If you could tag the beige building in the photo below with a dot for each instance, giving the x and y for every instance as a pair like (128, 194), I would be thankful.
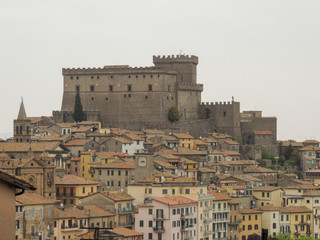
(71, 222)
(268, 195)
(34, 216)
(118, 203)
(9, 186)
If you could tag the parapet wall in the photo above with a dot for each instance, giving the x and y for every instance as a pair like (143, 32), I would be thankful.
(190, 86)
(216, 103)
(176, 59)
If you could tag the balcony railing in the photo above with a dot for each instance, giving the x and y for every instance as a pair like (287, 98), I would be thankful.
(159, 229)
(126, 210)
(186, 215)
(209, 232)
(207, 220)
(221, 219)
(158, 216)
(70, 227)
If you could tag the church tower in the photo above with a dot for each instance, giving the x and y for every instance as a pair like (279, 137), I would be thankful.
(22, 126)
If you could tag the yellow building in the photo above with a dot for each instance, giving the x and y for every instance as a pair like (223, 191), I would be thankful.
(251, 223)
(301, 220)
(268, 195)
(71, 188)
(298, 221)
(91, 159)
(235, 219)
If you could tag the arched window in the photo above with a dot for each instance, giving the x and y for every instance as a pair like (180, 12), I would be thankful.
(28, 130)
(20, 129)
(249, 227)
(17, 130)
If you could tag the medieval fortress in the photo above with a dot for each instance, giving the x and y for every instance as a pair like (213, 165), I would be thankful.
(136, 98)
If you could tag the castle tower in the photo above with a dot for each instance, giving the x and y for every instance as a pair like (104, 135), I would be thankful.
(185, 65)
(22, 126)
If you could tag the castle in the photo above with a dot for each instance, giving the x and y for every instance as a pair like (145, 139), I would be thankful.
(136, 98)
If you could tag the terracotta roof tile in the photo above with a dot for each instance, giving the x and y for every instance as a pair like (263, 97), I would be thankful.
(73, 180)
(262, 132)
(126, 232)
(175, 200)
(33, 199)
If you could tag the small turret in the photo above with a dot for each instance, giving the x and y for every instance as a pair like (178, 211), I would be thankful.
(22, 126)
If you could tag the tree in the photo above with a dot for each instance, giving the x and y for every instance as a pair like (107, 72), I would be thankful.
(78, 114)
(173, 114)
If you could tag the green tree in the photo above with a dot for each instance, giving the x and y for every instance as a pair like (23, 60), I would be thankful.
(78, 114)
(173, 114)
(266, 154)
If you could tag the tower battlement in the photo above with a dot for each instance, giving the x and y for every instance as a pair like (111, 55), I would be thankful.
(216, 103)
(176, 59)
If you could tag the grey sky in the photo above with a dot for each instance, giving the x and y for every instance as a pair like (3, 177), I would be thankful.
(264, 53)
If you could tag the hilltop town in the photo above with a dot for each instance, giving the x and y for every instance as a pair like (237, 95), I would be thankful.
(126, 171)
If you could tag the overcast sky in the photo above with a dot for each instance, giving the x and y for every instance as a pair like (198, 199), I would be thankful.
(264, 53)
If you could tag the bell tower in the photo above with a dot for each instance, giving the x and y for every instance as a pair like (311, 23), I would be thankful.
(22, 126)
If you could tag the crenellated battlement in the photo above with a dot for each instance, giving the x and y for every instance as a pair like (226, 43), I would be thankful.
(116, 69)
(176, 59)
(216, 103)
(190, 86)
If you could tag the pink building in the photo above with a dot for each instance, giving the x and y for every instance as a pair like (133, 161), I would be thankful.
(169, 217)
(75, 167)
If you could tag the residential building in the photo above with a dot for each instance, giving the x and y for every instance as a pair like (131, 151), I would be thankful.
(115, 175)
(118, 203)
(34, 217)
(251, 223)
(235, 220)
(70, 188)
(310, 157)
(71, 222)
(169, 217)
(267, 195)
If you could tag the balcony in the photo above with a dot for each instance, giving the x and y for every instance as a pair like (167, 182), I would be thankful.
(158, 217)
(221, 219)
(209, 232)
(125, 210)
(186, 215)
(221, 230)
(158, 229)
(207, 209)
(72, 227)
(235, 222)
(208, 220)
(187, 227)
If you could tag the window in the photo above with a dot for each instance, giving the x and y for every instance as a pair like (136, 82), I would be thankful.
(119, 184)
(17, 224)
(150, 223)
(111, 172)
(187, 191)
(274, 225)
(129, 87)
(126, 172)
(164, 191)
(150, 87)
(141, 223)
(40, 212)
(173, 191)
(78, 88)
(249, 217)
(174, 211)
(169, 88)
(256, 227)
(224, 114)
(150, 236)
(150, 211)
(99, 171)
(249, 227)
(308, 201)
(110, 88)
(119, 173)
(83, 190)
(92, 88)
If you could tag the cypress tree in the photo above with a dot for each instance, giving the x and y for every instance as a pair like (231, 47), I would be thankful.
(78, 114)
(173, 114)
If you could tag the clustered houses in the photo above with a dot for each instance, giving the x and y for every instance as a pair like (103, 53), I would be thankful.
(150, 184)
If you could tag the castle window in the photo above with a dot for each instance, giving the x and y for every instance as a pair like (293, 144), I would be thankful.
(125, 95)
(150, 87)
(98, 77)
(144, 76)
(129, 76)
(20, 129)
(146, 97)
(71, 77)
(158, 75)
(169, 88)
(77, 88)
(92, 98)
(17, 130)
(111, 76)
(129, 87)
(107, 98)
(92, 88)
(92, 77)
(110, 88)
(167, 97)
(77, 77)
(129, 95)
(172, 98)
(151, 76)
(224, 114)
